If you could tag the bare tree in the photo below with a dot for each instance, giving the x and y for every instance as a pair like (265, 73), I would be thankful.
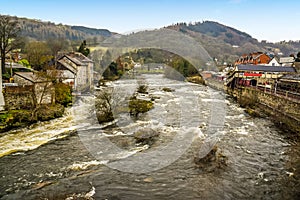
(104, 105)
(9, 33)
(38, 54)
(56, 45)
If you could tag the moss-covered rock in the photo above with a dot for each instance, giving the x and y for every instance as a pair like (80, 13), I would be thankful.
(145, 136)
(142, 89)
(196, 79)
(106, 116)
(137, 106)
(166, 89)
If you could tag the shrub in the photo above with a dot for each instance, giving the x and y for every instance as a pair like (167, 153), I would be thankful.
(63, 94)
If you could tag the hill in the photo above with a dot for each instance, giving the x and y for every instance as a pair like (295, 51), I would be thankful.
(222, 42)
(40, 30)
(227, 44)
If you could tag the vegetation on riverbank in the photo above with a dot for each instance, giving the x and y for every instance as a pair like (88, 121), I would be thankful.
(26, 115)
(149, 60)
(20, 118)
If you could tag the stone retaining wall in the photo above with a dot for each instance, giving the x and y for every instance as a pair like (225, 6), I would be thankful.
(281, 109)
(18, 97)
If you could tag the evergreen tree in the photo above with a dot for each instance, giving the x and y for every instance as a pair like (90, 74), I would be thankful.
(83, 49)
(298, 57)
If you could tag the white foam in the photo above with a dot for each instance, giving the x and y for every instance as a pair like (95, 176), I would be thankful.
(85, 165)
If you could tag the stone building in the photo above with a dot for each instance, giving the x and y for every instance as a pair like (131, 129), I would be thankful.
(77, 70)
(42, 89)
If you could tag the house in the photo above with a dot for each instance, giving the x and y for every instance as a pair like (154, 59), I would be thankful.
(77, 70)
(286, 61)
(16, 67)
(43, 89)
(273, 62)
(256, 58)
(257, 75)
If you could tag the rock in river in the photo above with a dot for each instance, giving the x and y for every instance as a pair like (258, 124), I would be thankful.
(145, 136)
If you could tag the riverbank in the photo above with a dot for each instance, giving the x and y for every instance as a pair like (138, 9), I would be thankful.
(284, 112)
(13, 119)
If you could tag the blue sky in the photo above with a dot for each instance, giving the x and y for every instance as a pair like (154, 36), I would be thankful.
(264, 20)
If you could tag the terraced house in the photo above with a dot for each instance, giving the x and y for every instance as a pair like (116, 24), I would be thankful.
(256, 58)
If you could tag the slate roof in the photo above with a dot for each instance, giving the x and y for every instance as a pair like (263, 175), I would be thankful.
(263, 68)
(30, 76)
(294, 77)
(69, 67)
(16, 66)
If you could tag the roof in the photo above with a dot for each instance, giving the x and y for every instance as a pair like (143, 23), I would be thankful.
(80, 57)
(16, 66)
(76, 57)
(69, 67)
(263, 68)
(286, 60)
(74, 60)
(293, 77)
(30, 76)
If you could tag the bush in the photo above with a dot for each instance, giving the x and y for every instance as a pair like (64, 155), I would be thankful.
(63, 94)
(47, 112)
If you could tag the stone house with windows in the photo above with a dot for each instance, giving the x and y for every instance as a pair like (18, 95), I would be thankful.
(77, 70)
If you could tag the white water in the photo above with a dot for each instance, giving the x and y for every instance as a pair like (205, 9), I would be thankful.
(262, 164)
(36, 135)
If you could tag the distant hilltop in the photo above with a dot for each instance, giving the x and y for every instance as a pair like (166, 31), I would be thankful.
(41, 30)
(227, 44)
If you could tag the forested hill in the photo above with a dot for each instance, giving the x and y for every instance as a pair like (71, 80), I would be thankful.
(227, 43)
(41, 30)
(220, 41)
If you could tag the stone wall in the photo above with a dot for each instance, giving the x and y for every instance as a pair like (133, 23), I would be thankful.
(214, 83)
(18, 97)
(282, 110)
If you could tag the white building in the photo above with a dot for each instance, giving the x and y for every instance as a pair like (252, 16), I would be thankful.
(286, 61)
(273, 62)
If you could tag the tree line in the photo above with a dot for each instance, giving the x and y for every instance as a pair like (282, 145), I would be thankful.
(37, 55)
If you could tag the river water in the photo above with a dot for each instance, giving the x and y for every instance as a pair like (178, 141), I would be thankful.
(75, 158)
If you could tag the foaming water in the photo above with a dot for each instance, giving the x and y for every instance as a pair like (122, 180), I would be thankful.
(261, 162)
(36, 135)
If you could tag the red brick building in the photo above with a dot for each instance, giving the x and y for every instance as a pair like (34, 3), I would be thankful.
(256, 58)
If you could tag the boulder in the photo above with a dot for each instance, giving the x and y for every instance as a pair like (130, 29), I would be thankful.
(145, 136)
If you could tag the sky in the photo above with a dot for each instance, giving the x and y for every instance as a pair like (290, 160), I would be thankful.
(271, 20)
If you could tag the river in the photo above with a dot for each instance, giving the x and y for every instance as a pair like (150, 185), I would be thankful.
(72, 157)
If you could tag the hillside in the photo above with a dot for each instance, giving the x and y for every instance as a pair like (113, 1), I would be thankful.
(226, 43)
(40, 30)
(220, 41)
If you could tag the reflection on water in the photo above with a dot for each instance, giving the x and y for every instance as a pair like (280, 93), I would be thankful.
(261, 162)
